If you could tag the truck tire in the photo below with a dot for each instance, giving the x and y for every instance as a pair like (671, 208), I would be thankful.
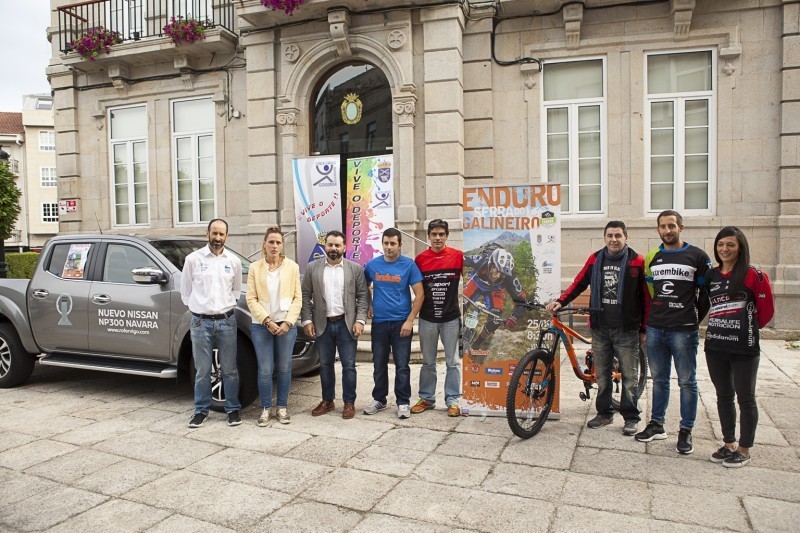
(248, 376)
(16, 365)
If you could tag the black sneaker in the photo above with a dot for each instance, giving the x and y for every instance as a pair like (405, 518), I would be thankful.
(721, 454)
(684, 442)
(197, 420)
(736, 460)
(653, 431)
(600, 421)
(233, 418)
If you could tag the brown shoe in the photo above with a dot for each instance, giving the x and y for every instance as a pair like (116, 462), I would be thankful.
(323, 407)
(349, 411)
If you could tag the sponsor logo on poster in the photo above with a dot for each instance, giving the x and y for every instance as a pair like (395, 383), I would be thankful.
(492, 384)
(493, 371)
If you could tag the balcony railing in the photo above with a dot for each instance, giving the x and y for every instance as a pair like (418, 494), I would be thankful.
(137, 19)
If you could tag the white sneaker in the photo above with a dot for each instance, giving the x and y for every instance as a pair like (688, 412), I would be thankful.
(403, 411)
(374, 407)
(263, 420)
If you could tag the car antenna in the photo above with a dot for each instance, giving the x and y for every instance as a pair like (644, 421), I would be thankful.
(100, 229)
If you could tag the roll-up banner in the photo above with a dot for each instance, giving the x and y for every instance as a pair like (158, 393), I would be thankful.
(317, 205)
(370, 205)
(512, 254)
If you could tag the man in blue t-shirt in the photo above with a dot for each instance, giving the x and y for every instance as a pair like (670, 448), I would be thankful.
(393, 314)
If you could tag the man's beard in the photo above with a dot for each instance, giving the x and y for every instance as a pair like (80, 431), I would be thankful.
(333, 255)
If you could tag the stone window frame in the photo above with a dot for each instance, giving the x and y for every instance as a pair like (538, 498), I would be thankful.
(49, 212)
(197, 219)
(47, 141)
(48, 177)
(573, 105)
(680, 98)
(129, 143)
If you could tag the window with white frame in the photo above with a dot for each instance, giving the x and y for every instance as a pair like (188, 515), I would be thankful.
(50, 212)
(573, 126)
(129, 169)
(47, 141)
(680, 139)
(193, 160)
(48, 176)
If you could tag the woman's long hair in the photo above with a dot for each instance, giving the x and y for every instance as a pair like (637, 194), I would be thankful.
(739, 271)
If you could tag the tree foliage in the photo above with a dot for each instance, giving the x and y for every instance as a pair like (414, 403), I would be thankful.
(9, 202)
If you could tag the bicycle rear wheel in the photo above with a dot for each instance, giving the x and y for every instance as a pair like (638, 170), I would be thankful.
(641, 382)
(530, 393)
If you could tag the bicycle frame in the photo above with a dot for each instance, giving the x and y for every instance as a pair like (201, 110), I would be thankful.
(560, 332)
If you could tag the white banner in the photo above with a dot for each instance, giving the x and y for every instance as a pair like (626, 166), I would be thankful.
(317, 204)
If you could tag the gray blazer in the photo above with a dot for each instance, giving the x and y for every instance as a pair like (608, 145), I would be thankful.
(356, 295)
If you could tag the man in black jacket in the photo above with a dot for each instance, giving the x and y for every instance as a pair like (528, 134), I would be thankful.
(618, 300)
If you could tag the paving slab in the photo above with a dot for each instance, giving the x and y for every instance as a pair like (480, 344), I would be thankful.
(249, 436)
(452, 470)
(74, 465)
(772, 515)
(526, 481)
(12, 439)
(309, 516)
(399, 462)
(361, 428)
(472, 445)
(364, 489)
(215, 500)
(116, 515)
(33, 453)
(275, 473)
(492, 512)
(424, 501)
(393, 524)
(422, 439)
(572, 518)
(152, 447)
(622, 496)
(693, 506)
(121, 477)
(328, 451)
(56, 505)
(179, 523)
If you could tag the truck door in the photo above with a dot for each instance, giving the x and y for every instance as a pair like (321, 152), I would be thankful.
(58, 295)
(127, 318)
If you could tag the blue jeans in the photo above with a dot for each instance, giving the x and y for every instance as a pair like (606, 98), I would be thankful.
(624, 344)
(206, 335)
(273, 352)
(386, 335)
(662, 348)
(337, 336)
(429, 333)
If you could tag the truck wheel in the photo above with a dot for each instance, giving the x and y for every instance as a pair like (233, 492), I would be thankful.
(16, 365)
(248, 376)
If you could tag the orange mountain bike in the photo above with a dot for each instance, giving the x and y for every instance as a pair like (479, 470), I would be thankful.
(533, 383)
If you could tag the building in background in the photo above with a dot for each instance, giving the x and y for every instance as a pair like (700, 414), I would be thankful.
(40, 196)
(12, 142)
(633, 107)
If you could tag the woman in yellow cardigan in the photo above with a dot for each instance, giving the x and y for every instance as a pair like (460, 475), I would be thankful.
(274, 299)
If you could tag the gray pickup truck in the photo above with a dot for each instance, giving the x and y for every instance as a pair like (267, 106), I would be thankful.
(112, 303)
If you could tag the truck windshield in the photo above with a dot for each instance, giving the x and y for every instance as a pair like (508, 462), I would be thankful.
(176, 251)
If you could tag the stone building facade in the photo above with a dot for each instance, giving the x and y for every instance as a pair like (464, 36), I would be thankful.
(632, 106)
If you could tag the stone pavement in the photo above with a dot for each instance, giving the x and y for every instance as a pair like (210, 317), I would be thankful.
(86, 451)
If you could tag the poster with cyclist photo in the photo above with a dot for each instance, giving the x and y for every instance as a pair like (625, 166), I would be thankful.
(512, 257)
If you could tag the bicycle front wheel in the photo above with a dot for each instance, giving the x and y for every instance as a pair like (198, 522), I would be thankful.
(530, 393)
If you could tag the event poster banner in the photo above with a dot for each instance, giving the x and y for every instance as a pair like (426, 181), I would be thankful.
(370, 206)
(317, 205)
(512, 254)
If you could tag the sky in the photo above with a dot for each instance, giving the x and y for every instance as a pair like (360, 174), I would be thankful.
(24, 50)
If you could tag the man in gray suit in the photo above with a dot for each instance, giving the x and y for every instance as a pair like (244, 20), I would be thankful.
(335, 304)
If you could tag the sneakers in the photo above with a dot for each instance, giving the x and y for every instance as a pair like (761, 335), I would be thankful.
(684, 446)
(266, 414)
(283, 415)
(233, 418)
(600, 421)
(197, 420)
(403, 411)
(721, 454)
(374, 407)
(736, 460)
(453, 410)
(653, 431)
(421, 406)
(631, 427)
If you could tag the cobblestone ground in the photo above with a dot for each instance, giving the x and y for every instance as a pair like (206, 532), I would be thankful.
(86, 451)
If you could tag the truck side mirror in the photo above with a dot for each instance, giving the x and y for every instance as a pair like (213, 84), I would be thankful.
(149, 276)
